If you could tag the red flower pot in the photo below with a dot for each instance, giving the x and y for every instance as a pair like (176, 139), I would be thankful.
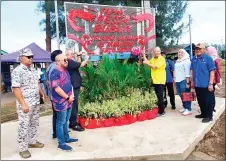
(131, 118)
(92, 124)
(83, 122)
(142, 116)
(151, 114)
(108, 122)
(122, 120)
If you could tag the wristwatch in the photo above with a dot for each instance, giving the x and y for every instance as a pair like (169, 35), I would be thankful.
(210, 84)
(68, 98)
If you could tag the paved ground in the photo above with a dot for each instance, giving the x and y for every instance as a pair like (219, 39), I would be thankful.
(170, 137)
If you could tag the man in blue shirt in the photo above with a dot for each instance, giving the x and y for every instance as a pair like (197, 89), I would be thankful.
(202, 70)
(169, 82)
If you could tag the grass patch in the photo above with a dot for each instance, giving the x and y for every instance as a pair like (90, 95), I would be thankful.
(8, 108)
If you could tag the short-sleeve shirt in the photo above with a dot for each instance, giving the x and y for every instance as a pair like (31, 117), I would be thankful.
(201, 67)
(182, 70)
(73, 69)
(27, 79)
(158, 75)
(60, 78)
(169, 69)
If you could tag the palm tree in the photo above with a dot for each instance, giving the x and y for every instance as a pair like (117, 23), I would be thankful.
(48, 27)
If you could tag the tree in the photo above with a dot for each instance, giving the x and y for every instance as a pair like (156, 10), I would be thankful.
(168, 18)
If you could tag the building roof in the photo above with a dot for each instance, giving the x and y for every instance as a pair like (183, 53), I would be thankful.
(175, 49)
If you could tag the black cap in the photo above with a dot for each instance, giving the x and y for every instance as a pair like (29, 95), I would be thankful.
(55, 53)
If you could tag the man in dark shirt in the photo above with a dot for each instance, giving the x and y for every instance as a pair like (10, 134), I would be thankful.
(169, 82)
(76, 80)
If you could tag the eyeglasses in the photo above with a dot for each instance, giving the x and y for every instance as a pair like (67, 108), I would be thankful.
(198, 49)
(65, 60)
(29, 57)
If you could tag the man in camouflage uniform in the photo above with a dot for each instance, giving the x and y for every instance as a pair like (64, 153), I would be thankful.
(26, 88)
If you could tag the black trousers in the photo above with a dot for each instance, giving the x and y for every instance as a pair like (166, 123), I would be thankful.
(205, 101)
(171, 94)
(74, 112)
(54, 120)
(159, 93)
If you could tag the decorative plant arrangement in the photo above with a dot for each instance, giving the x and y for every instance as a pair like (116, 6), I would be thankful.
(116, 93)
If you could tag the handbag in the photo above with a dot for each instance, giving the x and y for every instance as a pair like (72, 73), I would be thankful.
(188, 96)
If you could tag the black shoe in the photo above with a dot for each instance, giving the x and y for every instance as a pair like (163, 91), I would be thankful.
(199, 116)
(214, 110)
(206, 120)
(77, 128)
(173, 107)
(54, 136)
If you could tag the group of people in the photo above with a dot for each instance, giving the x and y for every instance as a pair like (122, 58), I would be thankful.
(64, 81)
(202, 73)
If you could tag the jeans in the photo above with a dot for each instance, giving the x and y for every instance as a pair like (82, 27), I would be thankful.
(159, 94)
(214, 99)
(171, 94)
(74, 112)
(62, 126)
(205, 101)
(54, 120)
(181, 87)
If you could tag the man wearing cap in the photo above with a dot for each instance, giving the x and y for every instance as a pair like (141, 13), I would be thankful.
(26, 88)
(202, 71)
(49, 70)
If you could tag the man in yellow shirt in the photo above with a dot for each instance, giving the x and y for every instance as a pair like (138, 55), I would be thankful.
(158, 75)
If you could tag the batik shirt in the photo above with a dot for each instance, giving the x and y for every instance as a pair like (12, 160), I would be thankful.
(27, 79)
(60, 78)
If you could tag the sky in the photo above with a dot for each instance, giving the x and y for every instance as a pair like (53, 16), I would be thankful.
(20, 24)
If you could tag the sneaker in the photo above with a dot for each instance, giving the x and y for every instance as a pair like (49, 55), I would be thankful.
(186, 112)
(199, 116)
(182, 110)
(64, 147)
(36, 145)
(71, 140)
(161, 115)
(25, 154)
(206, 120)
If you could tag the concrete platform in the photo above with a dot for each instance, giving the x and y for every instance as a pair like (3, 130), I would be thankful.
(171, 137)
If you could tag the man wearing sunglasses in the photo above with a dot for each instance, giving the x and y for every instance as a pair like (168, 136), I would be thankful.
(202, 71)
(27, 90)
(62, 98)
(76, 80)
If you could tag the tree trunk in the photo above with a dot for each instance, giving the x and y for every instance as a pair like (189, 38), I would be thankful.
(48, 28)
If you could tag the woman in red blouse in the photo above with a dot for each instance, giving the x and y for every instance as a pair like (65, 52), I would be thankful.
(211, 51)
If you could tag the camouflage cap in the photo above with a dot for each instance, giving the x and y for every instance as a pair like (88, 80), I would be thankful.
(26, 52)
